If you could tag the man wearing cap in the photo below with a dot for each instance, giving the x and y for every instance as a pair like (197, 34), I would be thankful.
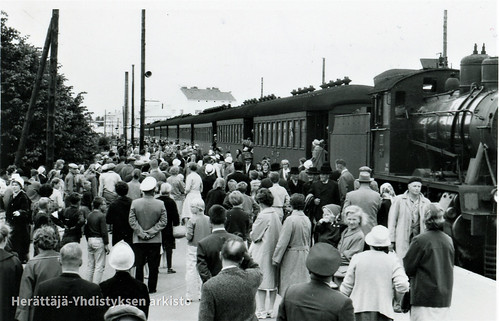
(316, 300)
(124, 312)
(147, 219)
(365, 198)
(406, 216)
(122, 285)
(325, 191)
(70, 179)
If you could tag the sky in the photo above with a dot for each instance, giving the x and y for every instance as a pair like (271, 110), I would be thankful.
(231, 45)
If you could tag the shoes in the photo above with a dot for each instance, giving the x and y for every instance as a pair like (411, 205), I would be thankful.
(171, 271)
(152, 291)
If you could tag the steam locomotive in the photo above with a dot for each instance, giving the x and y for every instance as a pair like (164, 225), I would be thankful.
(437, 123)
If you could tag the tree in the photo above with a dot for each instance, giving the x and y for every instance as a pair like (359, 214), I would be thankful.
(74, 139)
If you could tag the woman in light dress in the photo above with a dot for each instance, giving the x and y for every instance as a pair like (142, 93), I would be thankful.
(193, 189)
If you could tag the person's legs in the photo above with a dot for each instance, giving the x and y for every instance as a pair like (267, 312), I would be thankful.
(261, 295)
(169, 253)
(153, 258)
(192, 278)
(100, 260)
(91, 258)
(139, 262)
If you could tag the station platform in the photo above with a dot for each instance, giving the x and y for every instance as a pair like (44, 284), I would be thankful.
(474, 296)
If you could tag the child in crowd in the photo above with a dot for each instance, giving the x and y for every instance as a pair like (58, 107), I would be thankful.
(329, 227)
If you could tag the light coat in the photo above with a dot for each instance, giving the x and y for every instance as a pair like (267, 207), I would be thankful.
(370, 280)
(369, 201)
(147, 215)
(265, 234)
(400, 221)
(351, 242)
(292, 250)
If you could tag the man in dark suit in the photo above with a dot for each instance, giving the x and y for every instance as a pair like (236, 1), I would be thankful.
(294, 183)
(83, 298)
(238, 221)
(231, 294)
(122, 284)
(325, 192)
(248, 163)
(238, 175)
(316, 300)
(208, 252)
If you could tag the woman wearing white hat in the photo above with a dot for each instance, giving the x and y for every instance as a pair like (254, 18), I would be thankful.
(371, 277)
(18, 216)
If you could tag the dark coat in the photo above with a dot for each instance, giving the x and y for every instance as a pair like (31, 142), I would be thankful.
(117, 215)
(73, 221)
(429, 263)
(69, 285)
(20, 237)
(214, 197)
(11, 271)
(238, 222)
(230, 295)
(298, 188)
(240, 177)
(123, 286)
(208, 254)
(328, 194)
(208, 181)
(329, 232)
(172, 220)
(315, 300)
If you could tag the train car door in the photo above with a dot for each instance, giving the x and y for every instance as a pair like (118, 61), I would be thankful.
(349, 139)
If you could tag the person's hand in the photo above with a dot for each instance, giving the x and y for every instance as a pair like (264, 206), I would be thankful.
(391, 247)
(16, 213)
(106, 248)
(317, 201)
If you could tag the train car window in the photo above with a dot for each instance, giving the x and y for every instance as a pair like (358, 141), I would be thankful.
(303, 133)
(279, 134)
(257, 134)
(429, 84)
(274, 133)
(285, 134)
(399, 98)
(296, 131)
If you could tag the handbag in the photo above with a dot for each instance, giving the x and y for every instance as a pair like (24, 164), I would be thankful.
(179, 231)
(405, 306)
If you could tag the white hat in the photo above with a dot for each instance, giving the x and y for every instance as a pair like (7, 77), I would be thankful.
(228, 160)
(17, 178)
(73, 166)
(41, 170)
(379, 236)
(316, 142)
(308, 164)
(176, 162)
(209, 169)
(148, 184)
(121, 257)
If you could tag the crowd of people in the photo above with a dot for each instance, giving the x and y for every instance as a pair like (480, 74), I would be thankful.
(332, 246)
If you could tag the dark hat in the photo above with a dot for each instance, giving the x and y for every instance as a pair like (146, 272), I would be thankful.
(365, 177)
(274, 167)
(326, 169)
(119, 311)
(323, 259)
(312, 171)
(294, 171)
(415, 179)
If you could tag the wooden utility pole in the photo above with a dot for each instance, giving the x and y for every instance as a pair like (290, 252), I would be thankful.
(142, 81)
(31, 108)
(54, 44)
(132, 125)
(125, 111)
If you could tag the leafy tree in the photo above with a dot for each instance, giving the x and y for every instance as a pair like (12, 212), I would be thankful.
(74, 139)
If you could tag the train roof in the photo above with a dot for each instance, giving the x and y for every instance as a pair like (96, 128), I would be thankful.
(388, 79)
(319, 100)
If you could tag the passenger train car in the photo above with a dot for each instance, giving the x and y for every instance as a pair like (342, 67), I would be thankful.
(437, 123)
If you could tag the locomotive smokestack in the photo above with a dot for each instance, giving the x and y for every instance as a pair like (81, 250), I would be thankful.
(323, 70)
(444, 53)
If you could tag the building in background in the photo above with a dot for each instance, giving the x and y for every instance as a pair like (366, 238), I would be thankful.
(191, 100)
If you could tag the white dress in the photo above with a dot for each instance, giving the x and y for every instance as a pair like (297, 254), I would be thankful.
(193, 188)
